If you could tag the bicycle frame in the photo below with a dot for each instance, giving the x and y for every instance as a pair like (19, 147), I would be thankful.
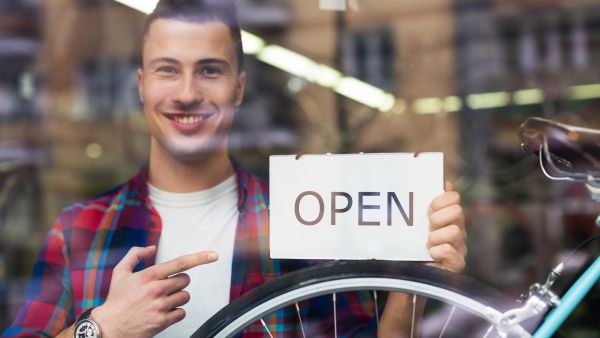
(570, 300)
(591, 275)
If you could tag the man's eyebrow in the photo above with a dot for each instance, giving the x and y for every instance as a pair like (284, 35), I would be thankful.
(163, 60)
(212, 62)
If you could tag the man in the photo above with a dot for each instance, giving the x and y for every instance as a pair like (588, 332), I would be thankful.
(103, 259)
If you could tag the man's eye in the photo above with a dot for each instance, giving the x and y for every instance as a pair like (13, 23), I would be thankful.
(211, 71)
(166, 70)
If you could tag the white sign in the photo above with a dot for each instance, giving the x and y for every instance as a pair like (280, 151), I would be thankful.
(361, 206)
(332, 5)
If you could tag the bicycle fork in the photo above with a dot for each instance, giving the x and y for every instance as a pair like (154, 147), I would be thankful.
(540, 298)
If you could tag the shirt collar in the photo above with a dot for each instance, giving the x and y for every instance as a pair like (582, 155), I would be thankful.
(138, 185)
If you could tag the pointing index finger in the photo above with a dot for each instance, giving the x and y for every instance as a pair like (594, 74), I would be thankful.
(182, 263)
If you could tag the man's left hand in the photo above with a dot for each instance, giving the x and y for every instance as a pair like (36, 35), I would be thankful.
(447, 236)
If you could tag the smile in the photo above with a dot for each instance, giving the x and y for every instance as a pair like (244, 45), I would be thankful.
(188, 119)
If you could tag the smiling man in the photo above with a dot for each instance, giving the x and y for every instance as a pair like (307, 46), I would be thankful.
(163, 252)
(190, 84)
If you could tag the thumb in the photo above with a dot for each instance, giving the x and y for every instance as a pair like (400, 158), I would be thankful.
(135, 255)
(448, 186)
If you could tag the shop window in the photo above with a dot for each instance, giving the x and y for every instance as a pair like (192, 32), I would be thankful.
(108, 88)
(10, 6)
(369, 55)
(549, 44)
(85, 3)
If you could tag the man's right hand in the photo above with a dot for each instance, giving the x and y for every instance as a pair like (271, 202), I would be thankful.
(144, 303)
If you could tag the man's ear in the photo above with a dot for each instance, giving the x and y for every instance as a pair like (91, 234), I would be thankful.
(241, 88)
(140, 77)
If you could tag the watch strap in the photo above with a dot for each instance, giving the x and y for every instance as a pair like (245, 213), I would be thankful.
(86, 314)
(86, 327)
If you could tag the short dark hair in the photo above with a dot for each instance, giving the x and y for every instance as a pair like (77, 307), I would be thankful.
(200, 11)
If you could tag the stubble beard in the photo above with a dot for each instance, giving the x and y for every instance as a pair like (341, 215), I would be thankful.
(195, 151)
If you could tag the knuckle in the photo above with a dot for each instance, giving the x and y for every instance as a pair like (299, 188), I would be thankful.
(148, 276)
(455, 231)
(434, 220)
(454, 197)
(115, 275)
(445, 253)
(161, 304)
(435, 253)
(179, 299)
(435, 204)
(178, 314)
(154, 291)
(181, 263)
(429, 242)
(133, 251)
(434, 238)
(457, 209)
(161, 322)
(446, 250)
(154, 305)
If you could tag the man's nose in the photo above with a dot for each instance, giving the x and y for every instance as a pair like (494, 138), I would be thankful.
(189, 91)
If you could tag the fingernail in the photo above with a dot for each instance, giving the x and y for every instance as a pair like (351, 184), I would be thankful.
(212, 256)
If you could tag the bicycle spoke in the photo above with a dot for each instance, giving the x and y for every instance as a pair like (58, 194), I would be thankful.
(376, 308)
(300, 319)
(414, 311)
(487, 333)
(447, 321)
(334, 315)
(266, 328)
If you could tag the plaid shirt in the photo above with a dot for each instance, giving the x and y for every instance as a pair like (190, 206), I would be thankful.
(75, 264)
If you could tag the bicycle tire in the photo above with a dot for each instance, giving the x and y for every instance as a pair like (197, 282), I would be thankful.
(456, 289)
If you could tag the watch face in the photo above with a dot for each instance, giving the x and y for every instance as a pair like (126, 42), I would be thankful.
(87, 329)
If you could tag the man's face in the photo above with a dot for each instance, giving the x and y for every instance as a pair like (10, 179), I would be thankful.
(190, 87)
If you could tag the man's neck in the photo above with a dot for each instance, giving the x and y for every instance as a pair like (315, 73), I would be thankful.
(171, 175)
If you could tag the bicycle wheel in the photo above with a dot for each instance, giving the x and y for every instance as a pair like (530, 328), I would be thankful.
(455, 289)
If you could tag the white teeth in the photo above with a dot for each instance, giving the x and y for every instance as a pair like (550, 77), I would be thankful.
(188, 119)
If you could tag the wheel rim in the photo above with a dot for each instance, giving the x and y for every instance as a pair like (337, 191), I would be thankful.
(455, 289)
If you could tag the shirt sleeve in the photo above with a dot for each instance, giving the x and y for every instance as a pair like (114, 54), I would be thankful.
(48, 307)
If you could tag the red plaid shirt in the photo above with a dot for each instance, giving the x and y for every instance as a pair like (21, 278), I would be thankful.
(75, 264)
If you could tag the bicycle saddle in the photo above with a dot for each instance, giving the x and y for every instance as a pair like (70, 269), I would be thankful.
(572, 149)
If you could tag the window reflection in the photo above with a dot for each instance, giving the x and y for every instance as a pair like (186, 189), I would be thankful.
(463, 75)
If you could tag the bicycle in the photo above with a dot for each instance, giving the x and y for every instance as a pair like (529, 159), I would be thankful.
(571, 153)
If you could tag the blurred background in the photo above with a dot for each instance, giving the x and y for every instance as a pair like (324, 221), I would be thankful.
(456, 76)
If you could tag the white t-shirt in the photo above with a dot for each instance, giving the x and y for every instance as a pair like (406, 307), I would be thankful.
(192, 222)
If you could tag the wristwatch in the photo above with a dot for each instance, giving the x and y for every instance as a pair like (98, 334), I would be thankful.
(86, 327)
